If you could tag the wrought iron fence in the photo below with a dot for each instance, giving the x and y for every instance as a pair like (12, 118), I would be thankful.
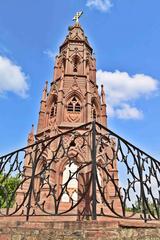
(87, 172)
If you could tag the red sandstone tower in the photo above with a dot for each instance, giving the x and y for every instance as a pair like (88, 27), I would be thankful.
(71, 101)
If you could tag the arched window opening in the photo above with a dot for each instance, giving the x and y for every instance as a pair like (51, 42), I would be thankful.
(77, 107)
(93, 112)
(43, 174)
(70, 183)
(70, 107)
(74, 105)
(53, 110)
(75, 63)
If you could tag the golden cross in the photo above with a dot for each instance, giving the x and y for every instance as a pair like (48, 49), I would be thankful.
(77, 16)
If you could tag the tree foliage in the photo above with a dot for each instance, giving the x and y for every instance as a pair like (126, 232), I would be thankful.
(8, 187)
(149, 208)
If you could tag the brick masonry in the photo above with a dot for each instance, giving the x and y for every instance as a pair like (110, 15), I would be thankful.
(89, 230)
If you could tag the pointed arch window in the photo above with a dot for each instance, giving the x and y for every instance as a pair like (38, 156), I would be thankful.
(75, 63)
(70, 184)
(77, 107)
(53, 110)
(93, 112)
(70, 107)
(74, 105)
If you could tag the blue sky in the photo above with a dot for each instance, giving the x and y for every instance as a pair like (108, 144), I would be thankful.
(125, 35)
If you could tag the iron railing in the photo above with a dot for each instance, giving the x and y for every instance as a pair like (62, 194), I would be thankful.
(87, 172)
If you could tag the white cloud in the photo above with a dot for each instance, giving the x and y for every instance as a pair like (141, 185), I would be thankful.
(125, 111)
(12, 78)
(50, 54)
(102, 5)
(122, 89)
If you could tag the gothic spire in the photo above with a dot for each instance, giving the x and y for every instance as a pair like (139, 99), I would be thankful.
(103, 95)
(45, 90)
(31, 136)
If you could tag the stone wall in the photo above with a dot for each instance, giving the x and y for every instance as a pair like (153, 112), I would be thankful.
(89, 230)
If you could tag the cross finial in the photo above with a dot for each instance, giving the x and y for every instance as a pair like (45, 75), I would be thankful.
(77, 16)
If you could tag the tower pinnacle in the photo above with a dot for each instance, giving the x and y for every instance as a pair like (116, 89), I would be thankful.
(77, 16)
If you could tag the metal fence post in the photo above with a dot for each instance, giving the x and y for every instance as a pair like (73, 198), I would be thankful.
(94, 172)
(31, 187)
(142, 192)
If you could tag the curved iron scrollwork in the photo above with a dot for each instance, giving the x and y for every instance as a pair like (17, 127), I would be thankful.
(87, 172)
(131, 178)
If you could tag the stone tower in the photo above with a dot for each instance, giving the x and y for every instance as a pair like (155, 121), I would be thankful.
(72, 101)
(73, 97)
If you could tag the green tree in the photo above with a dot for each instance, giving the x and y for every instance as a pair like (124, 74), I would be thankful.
(150, 208)
(8, 186)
